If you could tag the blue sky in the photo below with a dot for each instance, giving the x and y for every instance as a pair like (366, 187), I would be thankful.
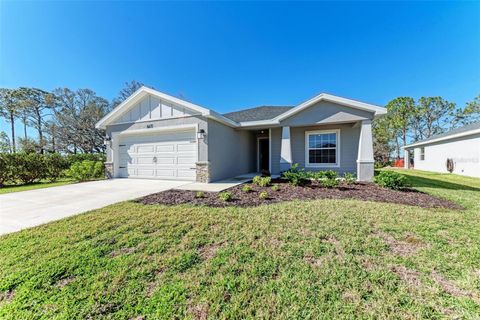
(228, 56)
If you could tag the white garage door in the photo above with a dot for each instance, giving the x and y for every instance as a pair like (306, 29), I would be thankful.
(166, 155)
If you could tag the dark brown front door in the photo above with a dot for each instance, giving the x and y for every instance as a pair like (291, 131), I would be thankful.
(263, 156)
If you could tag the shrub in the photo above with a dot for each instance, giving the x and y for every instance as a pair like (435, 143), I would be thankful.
(275, 187)
(349, 178)
(391, 180)
(246, 188)
(28, 167)
(329, 183)
(55, 166)
(79, 157)
(225, 196)
(295, 176)
(6, 172)
(262, 181)
(200, 194)
(263, 195)
(86, 170)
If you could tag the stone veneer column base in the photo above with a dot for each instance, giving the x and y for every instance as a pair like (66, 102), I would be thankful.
(365, 170)
(203, 171)
(109, 170)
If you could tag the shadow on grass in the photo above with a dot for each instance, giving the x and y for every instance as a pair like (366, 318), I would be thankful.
(419, 182)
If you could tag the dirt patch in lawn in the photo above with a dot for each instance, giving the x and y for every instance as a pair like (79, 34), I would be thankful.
(405, 248)
(65, 281)
(207, 252)
(287, 192)
(451, 288)
(7, 296)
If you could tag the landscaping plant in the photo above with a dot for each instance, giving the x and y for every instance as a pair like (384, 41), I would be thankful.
(86, 170)
(200, 194)
(262, 181)
(246, 188)
(391, 180)
(349, 178)
(295, 176)
(28, 167)
(225, 196)
(275, 187)
(329, 183)
(55, 166)
(263, 195)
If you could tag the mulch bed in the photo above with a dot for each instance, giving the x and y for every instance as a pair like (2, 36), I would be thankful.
(287, 192)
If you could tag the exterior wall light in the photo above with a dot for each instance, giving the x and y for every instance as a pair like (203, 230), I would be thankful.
(107, 141)
(201, 134)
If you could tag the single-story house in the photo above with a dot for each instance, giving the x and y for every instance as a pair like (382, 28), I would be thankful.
(461, 145)
(155, 135)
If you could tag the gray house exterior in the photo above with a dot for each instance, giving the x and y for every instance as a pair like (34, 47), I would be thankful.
(156, 136)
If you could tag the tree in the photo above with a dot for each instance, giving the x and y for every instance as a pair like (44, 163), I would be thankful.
(38, 105)
(471, 112)
(76, 113)
(9, 109)
(128, 89)
(28, 145)
(435, 115)
(400, 111)
(382, 139)
(4, 142)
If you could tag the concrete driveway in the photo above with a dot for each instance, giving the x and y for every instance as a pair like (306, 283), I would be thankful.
(26, 209)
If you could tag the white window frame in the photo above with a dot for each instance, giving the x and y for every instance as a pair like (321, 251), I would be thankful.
(337, 149)
(422, 153)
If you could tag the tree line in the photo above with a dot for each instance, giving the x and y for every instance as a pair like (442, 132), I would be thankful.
(64, 119)
(409, 120)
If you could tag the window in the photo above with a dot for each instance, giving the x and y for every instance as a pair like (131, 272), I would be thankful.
(321, 148)
(422, 153)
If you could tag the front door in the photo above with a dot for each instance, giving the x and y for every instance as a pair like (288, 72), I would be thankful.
(263, 155)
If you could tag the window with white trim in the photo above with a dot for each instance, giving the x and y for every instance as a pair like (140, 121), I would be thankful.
(422, 153)
(321, 148)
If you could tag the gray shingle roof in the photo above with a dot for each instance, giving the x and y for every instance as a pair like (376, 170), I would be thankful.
(468, 127)
(257, 113)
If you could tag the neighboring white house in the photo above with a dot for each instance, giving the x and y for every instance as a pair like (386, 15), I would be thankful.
(462, 145)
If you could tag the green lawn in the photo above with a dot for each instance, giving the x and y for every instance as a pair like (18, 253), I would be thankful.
(33, 186)
(296, 260)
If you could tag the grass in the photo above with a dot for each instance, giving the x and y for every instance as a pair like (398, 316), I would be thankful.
(37, 185)
(295, 260)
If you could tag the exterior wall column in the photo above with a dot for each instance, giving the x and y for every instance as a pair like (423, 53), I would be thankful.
(406, 159)
(365, 161)
(285, 150)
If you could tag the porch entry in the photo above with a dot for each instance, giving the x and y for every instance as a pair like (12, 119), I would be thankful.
(263, 159)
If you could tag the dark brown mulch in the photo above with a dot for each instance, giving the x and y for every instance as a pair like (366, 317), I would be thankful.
(287, 192)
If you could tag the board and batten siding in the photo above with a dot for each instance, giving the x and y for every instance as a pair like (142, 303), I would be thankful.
(349, 138)
(465, 152)
(153, 108)
(231, 152)
(326, 112)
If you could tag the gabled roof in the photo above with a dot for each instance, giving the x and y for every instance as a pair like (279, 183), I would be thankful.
(259, 116)
(257, 113)
(467, 130)
(144, 91)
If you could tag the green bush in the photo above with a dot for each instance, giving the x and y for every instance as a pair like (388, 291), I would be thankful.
(391, 180)
(262, 181)
(28, 167)
(295, 176)
(79, 157)
(200, 194)
(86, 170)
(6, 172)
(349, 178)
(55, 166)
(225, 196)
(275, 187)
(329, 183)
(263, 195)
(246, 188)
(324, 174)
